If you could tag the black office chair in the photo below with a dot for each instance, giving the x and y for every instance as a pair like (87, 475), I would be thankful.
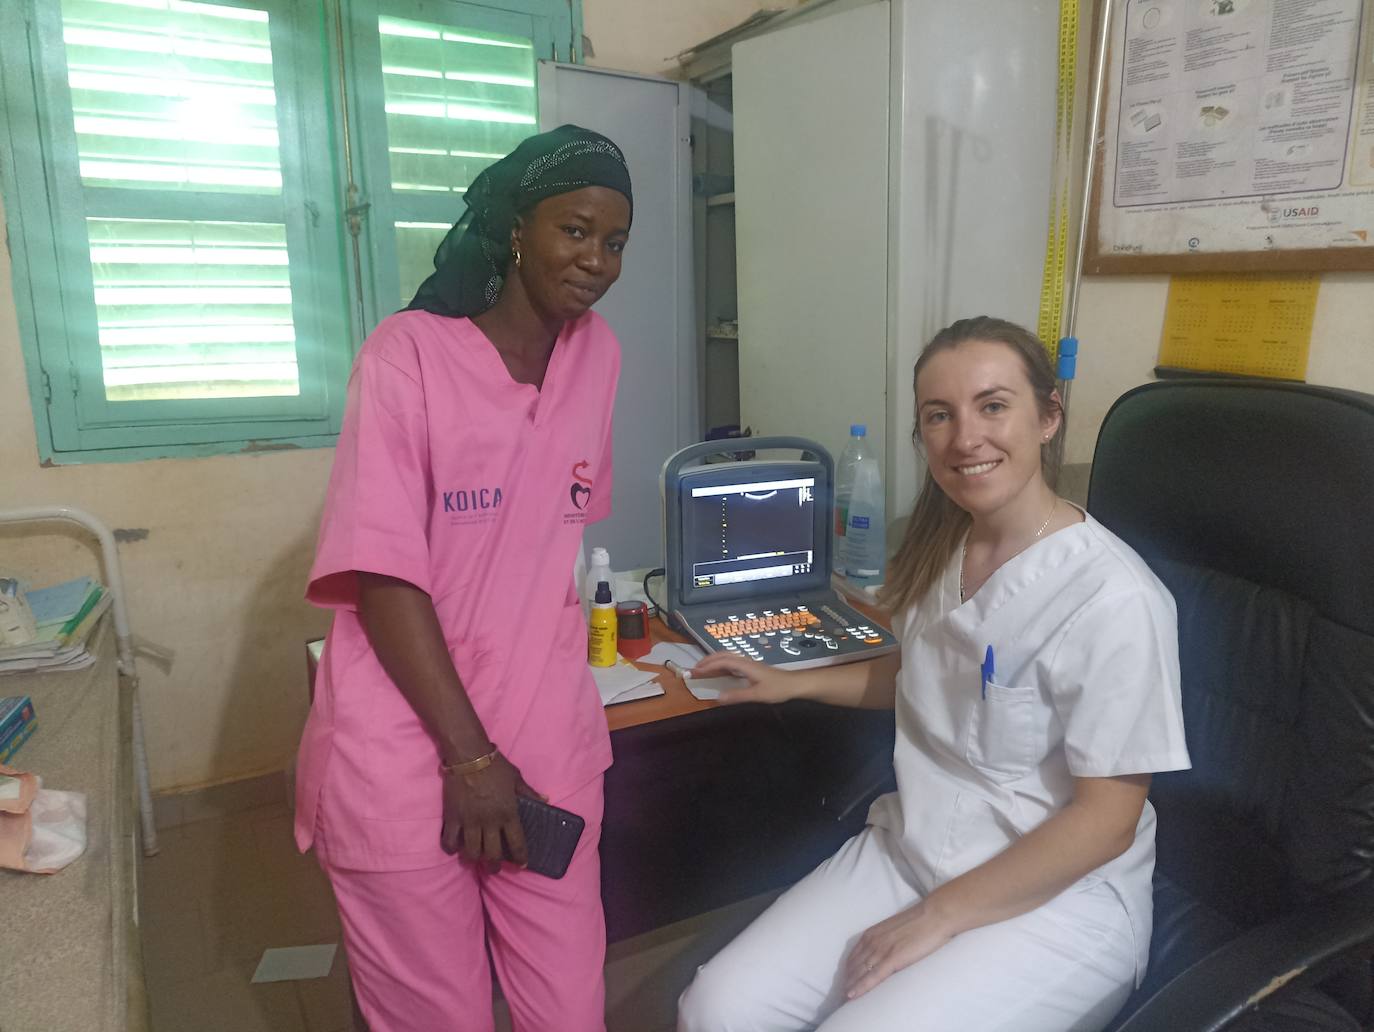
(1254, 503)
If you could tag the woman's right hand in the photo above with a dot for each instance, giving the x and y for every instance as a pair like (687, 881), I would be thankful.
(764, 683)
(479, 810)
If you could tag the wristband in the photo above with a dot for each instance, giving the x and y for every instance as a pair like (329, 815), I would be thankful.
(470, 766)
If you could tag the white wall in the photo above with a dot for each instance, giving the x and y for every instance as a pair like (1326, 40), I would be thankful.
(219, 574)
(646, 35)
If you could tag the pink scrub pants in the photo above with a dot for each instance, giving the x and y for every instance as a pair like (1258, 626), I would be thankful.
(417, 941)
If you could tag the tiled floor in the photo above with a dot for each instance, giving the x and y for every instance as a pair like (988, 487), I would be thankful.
(224, 889)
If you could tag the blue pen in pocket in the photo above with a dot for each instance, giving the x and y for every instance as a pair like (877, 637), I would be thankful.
(988, 671)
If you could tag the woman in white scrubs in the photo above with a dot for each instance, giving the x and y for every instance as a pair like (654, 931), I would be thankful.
(1006, 883)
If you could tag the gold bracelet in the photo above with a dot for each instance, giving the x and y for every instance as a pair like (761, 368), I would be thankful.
(470, 766)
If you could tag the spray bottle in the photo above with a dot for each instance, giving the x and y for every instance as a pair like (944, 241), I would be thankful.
(601, 632)
(600, 570)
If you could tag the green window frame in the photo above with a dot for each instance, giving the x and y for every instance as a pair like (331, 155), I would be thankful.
(353, 213)
(405, 225)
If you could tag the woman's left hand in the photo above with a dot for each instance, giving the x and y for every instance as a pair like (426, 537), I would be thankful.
(891, 945)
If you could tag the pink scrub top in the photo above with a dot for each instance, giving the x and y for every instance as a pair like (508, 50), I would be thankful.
(474, 488)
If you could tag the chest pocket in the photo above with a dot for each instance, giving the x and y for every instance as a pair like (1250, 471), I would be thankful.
(1001, 732)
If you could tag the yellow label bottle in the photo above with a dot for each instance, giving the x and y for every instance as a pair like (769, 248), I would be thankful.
(601, 628)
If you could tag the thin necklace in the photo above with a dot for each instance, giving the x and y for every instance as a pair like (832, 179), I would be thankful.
(963, 554)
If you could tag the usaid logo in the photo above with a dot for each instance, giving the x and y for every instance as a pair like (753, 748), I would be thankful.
(1311, 211)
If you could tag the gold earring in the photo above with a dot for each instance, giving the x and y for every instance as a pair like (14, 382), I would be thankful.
(515, 254)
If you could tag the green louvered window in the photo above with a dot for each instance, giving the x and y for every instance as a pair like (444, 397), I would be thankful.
(176, 201)
(172, 94)
(456, 94)
(455, 101)
(193, 309)
(180, 96)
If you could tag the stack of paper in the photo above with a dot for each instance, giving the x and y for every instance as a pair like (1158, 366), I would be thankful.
(686, 656)
(625, 682)
(66, 614)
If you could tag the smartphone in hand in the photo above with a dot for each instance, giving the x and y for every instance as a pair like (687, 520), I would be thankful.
(551, 835)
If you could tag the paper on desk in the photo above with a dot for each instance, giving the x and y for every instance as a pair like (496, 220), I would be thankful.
(686, 656)
(706, 689)
(294, 963)
(625, 682)
(648, 690)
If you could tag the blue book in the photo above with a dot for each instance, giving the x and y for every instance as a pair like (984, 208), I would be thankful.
(18, 736)
(59, 603)
(15, 710)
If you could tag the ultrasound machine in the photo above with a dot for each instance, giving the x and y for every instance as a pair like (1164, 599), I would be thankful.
(749, 557)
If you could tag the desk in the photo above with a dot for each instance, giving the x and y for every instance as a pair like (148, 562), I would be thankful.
(707, 805)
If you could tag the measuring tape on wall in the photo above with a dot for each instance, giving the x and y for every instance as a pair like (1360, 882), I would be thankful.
(1050, 323)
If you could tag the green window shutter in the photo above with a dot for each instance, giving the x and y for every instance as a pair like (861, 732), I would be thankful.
(173, 174)
(441, 89)
(201, 297)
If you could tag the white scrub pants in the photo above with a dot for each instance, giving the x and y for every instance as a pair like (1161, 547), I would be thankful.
(1067, 966)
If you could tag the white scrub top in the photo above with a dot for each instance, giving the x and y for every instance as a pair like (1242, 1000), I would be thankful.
(1086, 684)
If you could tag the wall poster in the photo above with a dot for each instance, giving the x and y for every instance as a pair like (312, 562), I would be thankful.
(1237, 134)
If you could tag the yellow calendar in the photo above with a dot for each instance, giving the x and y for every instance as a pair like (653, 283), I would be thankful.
(1249, 325)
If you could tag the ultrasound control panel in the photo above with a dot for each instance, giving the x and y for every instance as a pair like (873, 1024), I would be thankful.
(747, 562)
(803, 635)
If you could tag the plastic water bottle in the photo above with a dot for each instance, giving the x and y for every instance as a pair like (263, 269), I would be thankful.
(865, 540)
(854, 450)
(600, 570)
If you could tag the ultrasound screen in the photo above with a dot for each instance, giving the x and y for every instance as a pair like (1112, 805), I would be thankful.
(751, 531)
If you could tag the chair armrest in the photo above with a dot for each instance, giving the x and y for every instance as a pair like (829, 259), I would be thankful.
(1296, 948)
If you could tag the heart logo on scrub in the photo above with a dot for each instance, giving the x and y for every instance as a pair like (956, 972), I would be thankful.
(580, 495)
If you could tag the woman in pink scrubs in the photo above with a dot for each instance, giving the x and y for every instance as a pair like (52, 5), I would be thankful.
(475, 447)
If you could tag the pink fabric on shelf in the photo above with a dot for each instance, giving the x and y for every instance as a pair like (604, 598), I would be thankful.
(28, 788)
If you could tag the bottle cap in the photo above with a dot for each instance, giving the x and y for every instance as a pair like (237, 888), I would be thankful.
(601, 555)
(603, 593)
(858, 430)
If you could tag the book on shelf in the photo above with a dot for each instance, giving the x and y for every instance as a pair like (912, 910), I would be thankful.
(14, 711)
(17, 722)
(65, 614)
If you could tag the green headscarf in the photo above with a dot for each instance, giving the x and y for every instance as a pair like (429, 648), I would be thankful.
(470, 264)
